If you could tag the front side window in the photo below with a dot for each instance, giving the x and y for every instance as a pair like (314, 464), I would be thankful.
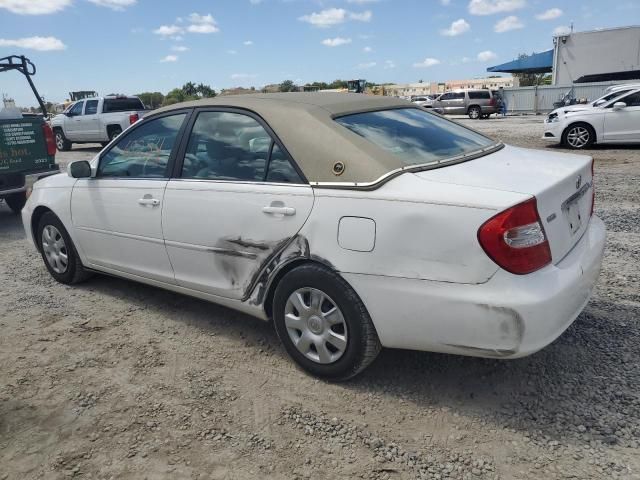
(632, 100)
(414, 135)
(145, 151)
(76, 109)
(91, 108)
(234, 147)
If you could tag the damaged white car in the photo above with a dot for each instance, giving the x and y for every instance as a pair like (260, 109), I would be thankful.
(353, 222)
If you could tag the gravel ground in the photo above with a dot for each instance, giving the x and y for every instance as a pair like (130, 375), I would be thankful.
(112, 379)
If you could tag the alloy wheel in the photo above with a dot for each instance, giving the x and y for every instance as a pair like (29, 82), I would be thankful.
(578, 137)
(55, 249)
(316, 325)
(59, 141)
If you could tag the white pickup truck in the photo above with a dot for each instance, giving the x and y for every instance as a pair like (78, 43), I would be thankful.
(95, 120)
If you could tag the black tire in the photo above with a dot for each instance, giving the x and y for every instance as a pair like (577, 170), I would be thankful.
(75, 272)
(62, 144)
(104, 144)
(114, 132)
(16, 201)
(363, 344)
(574, 136)
(474, 112)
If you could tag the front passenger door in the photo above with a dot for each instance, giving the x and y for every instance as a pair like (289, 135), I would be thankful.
(72, 123)
(623, 125)
(117, 215)
(238, 200)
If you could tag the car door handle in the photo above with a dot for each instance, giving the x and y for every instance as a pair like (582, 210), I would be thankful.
(273, 210)
(154, 202)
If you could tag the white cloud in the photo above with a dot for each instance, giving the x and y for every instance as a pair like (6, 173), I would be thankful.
(367, 65)
(242, 76)
(248, 43)
(114, 4)
(562, 30)
(34, 7)
(489, 7)
(232, 52)
(445, 2)
(457, 28)
(335, 16)
(426, 63)
(179, 48)
(169, 58)
(336, 42)
(367, 49)
(389, 64)
(487, 56)
(507, 24)
(44, 44)
(466, 59)
(550, 14)
(202, 24)
(168, 30)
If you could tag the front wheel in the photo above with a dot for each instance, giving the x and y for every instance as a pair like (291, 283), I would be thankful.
(323, 324)
(58, 251)
(579, 136)
(474, 112)
(62, 144)
(16, 201)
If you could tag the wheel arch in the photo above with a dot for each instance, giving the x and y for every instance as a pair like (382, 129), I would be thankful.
(474, 105)
(37, 214)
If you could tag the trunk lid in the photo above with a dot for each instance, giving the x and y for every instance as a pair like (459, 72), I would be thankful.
(561, 183)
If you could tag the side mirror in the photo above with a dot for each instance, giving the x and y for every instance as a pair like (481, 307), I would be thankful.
(619, 105)
(79, 169)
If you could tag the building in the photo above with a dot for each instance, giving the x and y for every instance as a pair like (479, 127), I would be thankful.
(410, 89)
(585, 57)
(489, 82)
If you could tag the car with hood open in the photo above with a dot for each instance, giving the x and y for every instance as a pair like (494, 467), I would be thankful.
(351, 222)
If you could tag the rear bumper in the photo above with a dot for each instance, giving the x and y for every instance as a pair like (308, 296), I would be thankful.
(509, 316)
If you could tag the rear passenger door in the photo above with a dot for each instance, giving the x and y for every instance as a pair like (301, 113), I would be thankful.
(236, 199)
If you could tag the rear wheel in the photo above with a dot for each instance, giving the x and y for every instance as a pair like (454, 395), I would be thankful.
(62, 144)
(474, 112)
(579, 136)
(58, 251)
(323, 324)
(114, 132)
(16, 201)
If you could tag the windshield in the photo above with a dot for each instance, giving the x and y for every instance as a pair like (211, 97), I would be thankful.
(610, 96)
(414, 135)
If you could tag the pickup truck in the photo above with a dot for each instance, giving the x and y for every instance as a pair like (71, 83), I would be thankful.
(27, 147)
(95, 120)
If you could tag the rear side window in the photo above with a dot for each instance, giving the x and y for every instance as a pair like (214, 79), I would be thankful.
(414, 135)
(482, 95)
(144, 152)
(121, 105)
(91, 108)
(235, 147)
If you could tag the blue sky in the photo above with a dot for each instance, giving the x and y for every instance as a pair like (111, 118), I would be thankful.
(129, 46)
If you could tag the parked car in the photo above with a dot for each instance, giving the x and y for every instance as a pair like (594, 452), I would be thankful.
(96, 120)
(425, 101)
(614, 121)
(475, 103)
(353, 222)
(27, 149)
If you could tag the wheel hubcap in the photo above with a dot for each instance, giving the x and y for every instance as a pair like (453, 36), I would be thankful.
(578, 137)
(54, 248)
(316, 325)
(475, 113)
(59, 141)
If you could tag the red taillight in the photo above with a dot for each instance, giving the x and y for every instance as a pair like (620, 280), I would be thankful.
(133, 118)
(492, 102)
(515, 239)
(593, 188)
(49, 140)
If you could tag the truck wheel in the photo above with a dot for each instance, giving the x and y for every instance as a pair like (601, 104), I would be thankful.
(62, 143)
(114, 132)
(16, 201)
(58, 251)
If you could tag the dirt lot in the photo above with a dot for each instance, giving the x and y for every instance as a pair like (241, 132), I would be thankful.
(112, 379)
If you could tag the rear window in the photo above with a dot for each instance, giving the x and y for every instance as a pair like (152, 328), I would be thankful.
(480, 95)
(122, 105)
(414, 135)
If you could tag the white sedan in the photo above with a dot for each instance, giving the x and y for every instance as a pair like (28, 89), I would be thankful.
(614, 120)
(352, 222)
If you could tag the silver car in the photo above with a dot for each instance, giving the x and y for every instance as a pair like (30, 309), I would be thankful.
(475, 103)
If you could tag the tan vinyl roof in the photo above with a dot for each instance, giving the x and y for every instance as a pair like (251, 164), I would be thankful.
(304, 123)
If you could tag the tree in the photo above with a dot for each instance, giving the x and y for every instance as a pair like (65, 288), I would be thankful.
(190, 89)
(205, 91)
(151, 99)
(288, 86)
(531, 79)
(176, 95)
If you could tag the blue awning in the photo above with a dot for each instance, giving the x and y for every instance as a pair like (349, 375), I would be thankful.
(536, 63)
